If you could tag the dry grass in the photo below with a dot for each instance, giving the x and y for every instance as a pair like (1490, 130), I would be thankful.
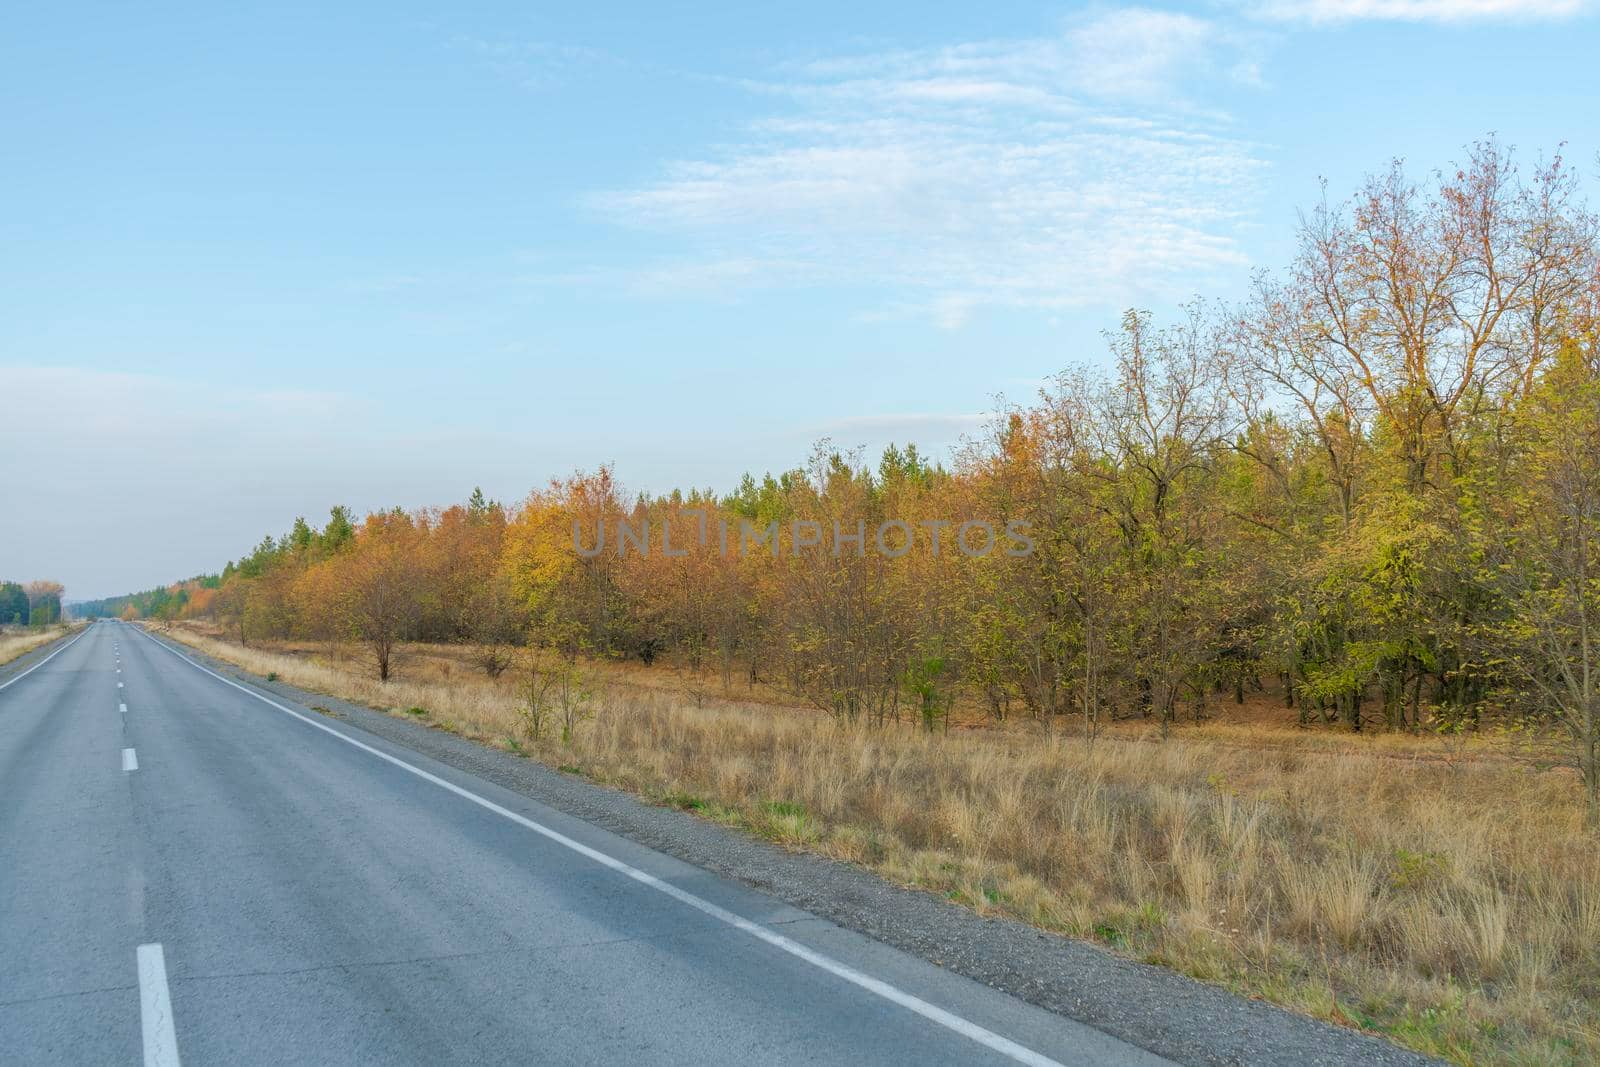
(1446, 897)
(19, 641)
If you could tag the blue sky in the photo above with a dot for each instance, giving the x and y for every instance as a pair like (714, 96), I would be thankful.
(261, 261)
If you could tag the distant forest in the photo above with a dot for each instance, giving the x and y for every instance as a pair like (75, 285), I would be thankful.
(165, 602)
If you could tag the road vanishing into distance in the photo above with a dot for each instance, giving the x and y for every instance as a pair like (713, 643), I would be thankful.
(193, 868)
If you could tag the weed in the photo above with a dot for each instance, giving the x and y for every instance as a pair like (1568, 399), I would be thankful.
(1413, 870)
(1110, 934)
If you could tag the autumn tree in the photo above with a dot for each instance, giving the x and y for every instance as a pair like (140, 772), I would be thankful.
(561, 560)
(1372, 482)
(230, 607)
(44, 602)
(378, 585)
(1164, 419)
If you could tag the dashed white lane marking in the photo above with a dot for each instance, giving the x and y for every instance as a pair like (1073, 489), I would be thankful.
(155, 1009)
(41, 663)
(877, 986)
(122, 709)
(130, 760)
(119, 685)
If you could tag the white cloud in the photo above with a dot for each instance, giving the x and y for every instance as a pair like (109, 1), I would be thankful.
(1040, 173)
(1139, 53)
(1116, 53)
(1324, 11)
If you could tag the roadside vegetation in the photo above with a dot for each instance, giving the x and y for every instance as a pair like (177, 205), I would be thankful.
(1441, 892)
(1265, 649)
(18, 641)
(30, 616)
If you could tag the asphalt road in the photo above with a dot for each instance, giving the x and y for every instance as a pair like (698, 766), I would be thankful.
(191, 867)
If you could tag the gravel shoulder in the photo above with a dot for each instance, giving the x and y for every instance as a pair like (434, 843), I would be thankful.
(1155, 1009)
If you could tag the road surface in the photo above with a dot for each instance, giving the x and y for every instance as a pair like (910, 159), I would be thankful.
(190, 868)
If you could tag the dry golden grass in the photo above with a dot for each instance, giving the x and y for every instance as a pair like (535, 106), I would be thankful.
(19, 641)
(1441, 894)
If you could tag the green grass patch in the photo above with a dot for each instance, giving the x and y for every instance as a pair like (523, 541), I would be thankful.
(787, 823)
(1110, 933)
(782, 808)
(1150, 917)
(683, 801)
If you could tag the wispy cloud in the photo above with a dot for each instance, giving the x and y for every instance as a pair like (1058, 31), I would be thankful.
(535, 64)
(1119, 53)
(1037, 173)
(1331, 11)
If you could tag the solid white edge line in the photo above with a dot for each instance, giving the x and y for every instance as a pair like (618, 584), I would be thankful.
(41, 663)
(130, 760)
(155, 1009)
(950, 1021)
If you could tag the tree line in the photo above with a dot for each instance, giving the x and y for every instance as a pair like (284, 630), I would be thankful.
(178, 600)
(1372, 488)
(30, 604)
